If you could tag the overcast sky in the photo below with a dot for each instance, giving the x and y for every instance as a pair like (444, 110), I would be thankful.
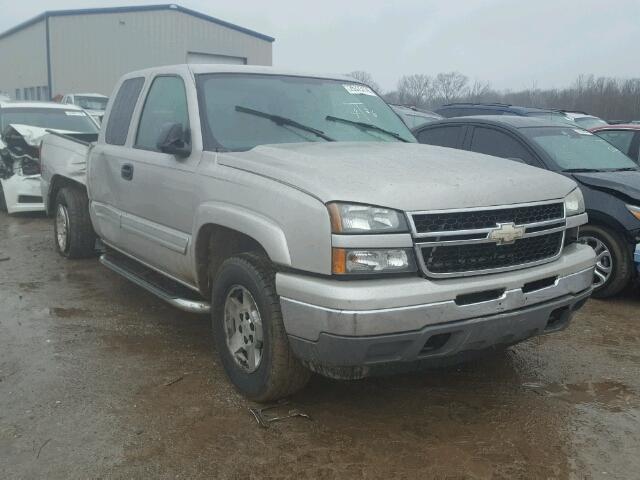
(510, 43)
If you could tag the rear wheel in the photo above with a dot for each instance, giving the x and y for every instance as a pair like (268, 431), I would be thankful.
(613, 260)
(249, 332)
(73, 233)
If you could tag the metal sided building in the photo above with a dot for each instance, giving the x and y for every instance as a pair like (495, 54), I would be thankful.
(71, 51)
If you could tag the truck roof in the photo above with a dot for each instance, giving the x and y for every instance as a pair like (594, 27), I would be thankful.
(197, 69)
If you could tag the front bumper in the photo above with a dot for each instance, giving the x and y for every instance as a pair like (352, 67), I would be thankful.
(23, 193)
(404, 314)
(441, 340)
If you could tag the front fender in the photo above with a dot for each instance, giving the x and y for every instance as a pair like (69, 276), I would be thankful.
(263, 230)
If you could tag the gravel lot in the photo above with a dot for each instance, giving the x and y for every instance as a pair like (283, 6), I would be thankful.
(98, 379)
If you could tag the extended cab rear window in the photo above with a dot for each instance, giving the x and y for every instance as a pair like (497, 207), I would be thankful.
(122, 111)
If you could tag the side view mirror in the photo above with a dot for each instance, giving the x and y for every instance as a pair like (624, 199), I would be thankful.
(172, 140)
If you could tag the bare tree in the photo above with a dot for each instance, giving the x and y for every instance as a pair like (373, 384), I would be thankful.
(479, 91)
(416, 89)
(392, 97)
(450, 86)
(366, 78)
(606, 97)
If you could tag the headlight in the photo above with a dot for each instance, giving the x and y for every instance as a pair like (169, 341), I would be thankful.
(359, 261)
(574, 203)
(353, 218)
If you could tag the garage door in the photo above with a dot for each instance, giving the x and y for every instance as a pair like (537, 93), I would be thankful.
(193, 57)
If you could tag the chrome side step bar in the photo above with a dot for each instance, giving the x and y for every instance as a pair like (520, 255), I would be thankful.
(165, 289)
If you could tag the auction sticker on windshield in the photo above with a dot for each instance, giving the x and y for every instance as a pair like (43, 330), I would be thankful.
(355, 89)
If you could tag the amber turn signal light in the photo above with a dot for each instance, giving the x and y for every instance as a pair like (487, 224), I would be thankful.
(338, 261)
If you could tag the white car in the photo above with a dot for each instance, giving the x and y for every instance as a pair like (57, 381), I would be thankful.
(94, 103)
(22, 126)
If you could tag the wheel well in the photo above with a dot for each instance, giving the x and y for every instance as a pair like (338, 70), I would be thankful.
(598, 219)
(58, 182)
(214, 244)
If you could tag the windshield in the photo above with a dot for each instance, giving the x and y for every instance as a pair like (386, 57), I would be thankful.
(577, 149)
(53, 118)
(91, 103)
(590, 122)
(242, 111)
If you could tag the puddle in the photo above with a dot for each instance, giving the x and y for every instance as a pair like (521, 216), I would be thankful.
(608, 394)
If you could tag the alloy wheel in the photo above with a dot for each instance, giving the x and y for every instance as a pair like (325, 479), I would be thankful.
(243, 328)
(604, 260)
(62, 227)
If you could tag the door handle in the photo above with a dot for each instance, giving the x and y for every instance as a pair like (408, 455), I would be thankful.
(127, 171)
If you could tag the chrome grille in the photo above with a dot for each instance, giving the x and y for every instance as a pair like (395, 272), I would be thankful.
(467, 242)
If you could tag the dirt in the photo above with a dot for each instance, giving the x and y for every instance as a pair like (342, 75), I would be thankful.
(99, 379)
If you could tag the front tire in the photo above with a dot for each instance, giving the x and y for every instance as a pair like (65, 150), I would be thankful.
(73, 233)
(613, 260)
(249, 332)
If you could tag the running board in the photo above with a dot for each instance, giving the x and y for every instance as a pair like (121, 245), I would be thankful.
(166, 289)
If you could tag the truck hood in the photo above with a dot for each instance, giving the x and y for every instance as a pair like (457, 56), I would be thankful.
(404, 176)
(626, 183)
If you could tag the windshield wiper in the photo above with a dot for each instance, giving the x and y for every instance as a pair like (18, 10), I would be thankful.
(278, 120)
(366, 126)
(625, 169)
(581, 170)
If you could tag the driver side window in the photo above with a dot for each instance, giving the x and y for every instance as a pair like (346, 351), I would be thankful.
(166, 103)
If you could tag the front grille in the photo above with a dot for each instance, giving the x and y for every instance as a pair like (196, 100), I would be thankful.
(486, 256)
(471, 220)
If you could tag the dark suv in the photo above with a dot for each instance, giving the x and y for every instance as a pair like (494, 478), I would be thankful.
(609, 180)
(471, 109)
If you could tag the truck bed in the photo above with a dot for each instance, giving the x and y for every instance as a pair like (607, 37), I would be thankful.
(64, 155)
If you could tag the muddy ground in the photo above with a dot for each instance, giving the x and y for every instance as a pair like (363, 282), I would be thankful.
(98, 379)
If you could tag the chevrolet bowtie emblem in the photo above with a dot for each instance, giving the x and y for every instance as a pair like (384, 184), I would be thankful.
(506, 233)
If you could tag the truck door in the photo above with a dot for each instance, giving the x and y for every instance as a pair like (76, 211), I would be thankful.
(157, 189)
(104, 182)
